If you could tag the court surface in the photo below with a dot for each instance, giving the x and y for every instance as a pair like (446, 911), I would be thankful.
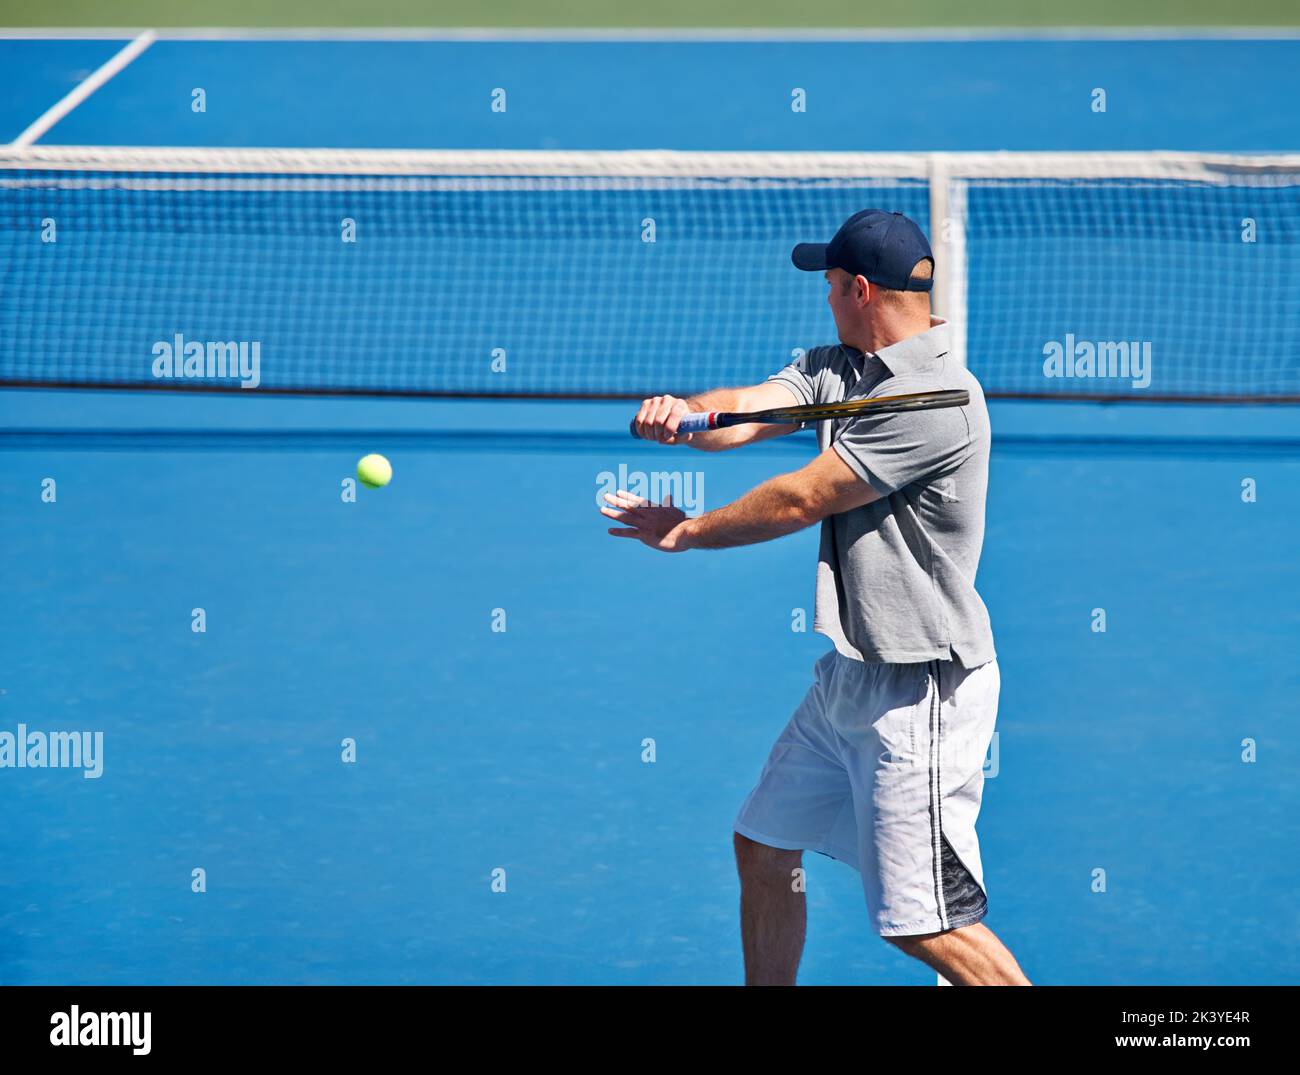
(1119, 754)
(982, 94)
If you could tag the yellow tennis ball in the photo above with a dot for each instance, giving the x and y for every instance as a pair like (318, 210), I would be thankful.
(374, 471)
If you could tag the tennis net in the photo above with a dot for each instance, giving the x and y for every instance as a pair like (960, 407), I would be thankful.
(592, 274)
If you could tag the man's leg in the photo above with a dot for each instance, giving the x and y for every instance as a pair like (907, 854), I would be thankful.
(773, 914)
(969, 955)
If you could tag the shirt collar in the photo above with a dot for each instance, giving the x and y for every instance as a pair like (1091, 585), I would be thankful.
(919, 353)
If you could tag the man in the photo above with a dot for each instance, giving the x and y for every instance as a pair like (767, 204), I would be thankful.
(881, 765)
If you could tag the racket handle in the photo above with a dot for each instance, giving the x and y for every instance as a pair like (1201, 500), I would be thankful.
(695, 422)
(698, 422)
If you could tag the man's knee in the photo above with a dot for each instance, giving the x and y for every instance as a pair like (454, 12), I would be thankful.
(914, 944)
(755, 860)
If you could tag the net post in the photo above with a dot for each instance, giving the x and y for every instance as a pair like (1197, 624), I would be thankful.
(948, 240)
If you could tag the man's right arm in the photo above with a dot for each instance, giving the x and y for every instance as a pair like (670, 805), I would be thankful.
(658, 417)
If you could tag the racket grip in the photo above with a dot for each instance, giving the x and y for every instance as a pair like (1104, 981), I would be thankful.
(698, 422)
(695, 422)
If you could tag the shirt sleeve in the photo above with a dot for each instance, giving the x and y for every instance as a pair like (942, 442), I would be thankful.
(890, 451)
(803, 376)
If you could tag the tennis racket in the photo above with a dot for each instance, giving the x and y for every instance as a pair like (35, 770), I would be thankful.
(702, 421)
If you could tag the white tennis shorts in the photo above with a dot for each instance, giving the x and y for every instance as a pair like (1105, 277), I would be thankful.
(882, 767)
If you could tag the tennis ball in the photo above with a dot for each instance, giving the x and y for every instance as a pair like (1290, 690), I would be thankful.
(374, 471)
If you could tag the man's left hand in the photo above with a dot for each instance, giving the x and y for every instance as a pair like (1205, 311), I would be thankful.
(659, 526)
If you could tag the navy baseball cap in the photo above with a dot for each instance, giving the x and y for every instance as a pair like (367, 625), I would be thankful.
(883, 247)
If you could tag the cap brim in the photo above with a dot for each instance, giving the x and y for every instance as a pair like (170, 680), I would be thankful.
(811, 257)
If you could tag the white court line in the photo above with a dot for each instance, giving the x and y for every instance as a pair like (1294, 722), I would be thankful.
(84, 89)
(669, 34)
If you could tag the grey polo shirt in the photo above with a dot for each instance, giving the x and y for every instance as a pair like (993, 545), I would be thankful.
(896, 578)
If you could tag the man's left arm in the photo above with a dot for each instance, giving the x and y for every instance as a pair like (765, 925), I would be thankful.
(780, 506)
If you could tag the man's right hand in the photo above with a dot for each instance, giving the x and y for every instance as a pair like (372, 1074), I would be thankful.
(658, 417)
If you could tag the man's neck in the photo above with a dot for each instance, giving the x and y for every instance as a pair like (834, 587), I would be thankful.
(885, 333)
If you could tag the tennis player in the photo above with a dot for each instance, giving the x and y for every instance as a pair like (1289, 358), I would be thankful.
(881, 765)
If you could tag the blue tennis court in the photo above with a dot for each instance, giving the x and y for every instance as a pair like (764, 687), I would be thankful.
(450, 732)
